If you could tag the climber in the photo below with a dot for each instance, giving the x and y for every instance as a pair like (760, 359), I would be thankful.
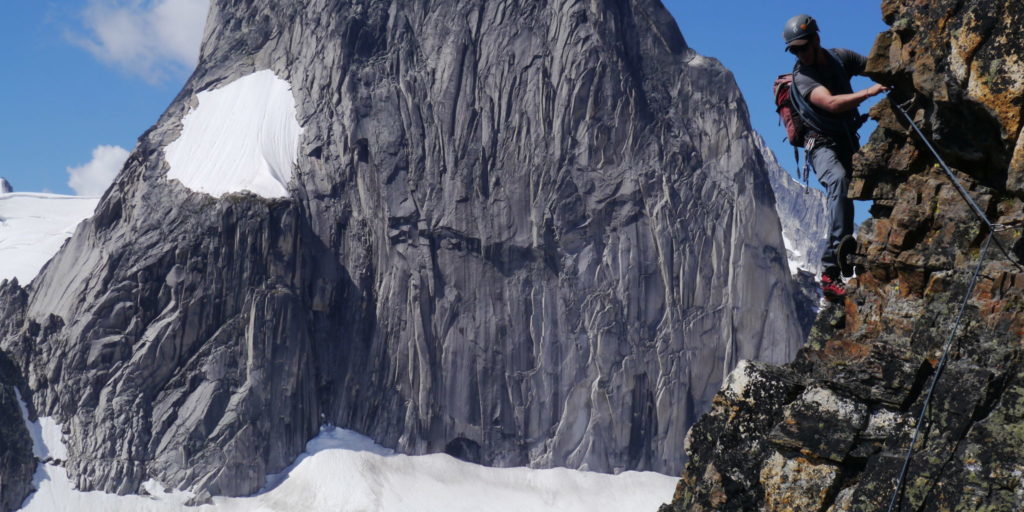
(827, 104)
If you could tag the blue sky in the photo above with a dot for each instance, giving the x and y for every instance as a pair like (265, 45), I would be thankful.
(87, 73)
(746, 36)
(60, 100)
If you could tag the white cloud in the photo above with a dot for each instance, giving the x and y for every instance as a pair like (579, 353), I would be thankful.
(93, 178)
(149, 38)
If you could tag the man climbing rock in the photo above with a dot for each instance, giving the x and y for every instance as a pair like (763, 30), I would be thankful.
(826, 103)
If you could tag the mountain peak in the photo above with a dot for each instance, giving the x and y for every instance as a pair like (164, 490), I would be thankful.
(529, 233)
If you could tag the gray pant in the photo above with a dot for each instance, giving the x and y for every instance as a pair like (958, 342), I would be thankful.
(833, 166)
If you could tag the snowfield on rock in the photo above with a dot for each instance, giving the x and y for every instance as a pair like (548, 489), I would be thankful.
(243, 136)
(342, 471)
(33, 227)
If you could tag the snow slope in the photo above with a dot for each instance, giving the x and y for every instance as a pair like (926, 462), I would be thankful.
(342, 471)
(243, 136)
(33, 227)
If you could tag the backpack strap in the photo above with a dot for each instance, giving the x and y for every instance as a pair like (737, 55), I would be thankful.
(825, 125)
(839, 62)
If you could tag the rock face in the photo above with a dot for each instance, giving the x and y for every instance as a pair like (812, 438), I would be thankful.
(532, 233)
(837, 438)
(17, 463)
(5, 186)
(803, 213)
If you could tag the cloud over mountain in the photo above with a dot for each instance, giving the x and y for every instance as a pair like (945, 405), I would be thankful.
(93, 178)
(150, 38)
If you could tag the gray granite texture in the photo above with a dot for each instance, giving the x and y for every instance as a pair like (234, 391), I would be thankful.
(539, 233)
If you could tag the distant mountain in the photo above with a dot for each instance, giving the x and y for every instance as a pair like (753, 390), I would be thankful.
(5, 186)
(803, 212)
(525, 234)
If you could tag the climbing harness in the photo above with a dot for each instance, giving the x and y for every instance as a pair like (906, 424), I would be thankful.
(990, 237)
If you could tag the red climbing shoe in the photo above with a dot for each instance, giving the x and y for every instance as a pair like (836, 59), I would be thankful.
(833, 288)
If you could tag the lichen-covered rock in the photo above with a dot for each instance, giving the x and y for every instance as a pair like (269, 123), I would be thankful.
(727, 446)
(954, 65)
(820, 423)
(797, 483)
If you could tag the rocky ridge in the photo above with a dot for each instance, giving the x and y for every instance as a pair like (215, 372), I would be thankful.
(830, 431)
(522, 233)
(17, 463)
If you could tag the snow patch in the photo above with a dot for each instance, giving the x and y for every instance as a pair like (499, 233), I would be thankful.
(342, 471)
(47, 436)
(243, 136)
(53, 438)
(793, 256)
(33, 227)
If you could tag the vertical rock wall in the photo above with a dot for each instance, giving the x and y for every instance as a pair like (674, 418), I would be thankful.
(835, 435)
(538, 231)
(17, 464)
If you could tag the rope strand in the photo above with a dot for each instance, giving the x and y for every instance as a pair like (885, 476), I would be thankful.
(993, 228)
(990, 237)
(938, 371)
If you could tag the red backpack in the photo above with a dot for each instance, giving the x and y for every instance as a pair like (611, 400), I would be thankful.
(788, 117)
(796, 129)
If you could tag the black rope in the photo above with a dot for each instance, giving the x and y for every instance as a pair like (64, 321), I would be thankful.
(938, 371)
(993, 228)
(989, 237)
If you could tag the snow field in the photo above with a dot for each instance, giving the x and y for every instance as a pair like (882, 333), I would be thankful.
(33, 227)
(342, 471)
(243, 136)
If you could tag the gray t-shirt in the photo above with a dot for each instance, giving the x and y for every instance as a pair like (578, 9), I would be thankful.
(837, 81)
(807, 78)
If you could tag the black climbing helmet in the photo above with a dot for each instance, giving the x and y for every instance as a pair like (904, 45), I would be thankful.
(799, 28)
